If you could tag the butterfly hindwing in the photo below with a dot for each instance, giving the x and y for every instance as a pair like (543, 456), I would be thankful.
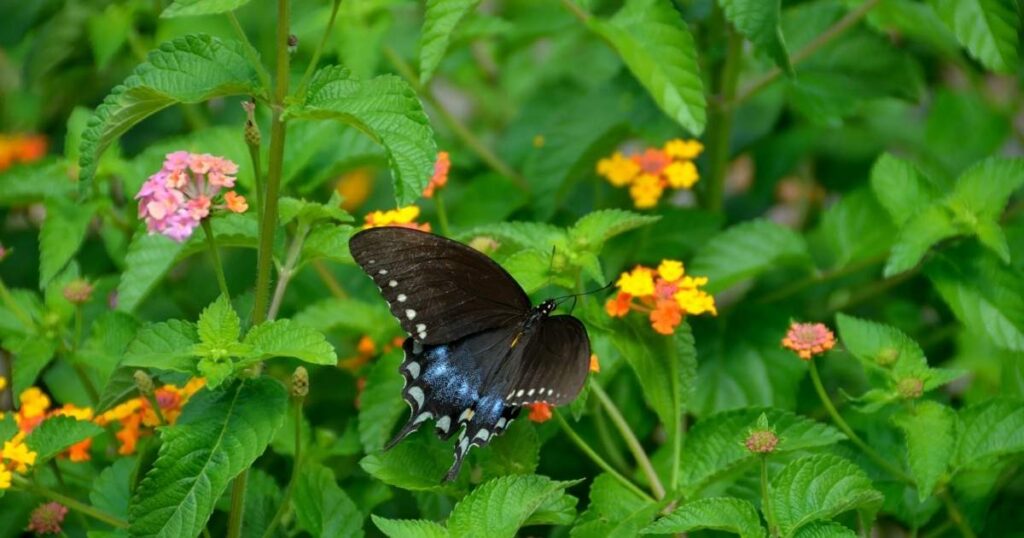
(440, 290)
(553, 364)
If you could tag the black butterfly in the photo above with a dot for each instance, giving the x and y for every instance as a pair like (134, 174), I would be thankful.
(477, 349)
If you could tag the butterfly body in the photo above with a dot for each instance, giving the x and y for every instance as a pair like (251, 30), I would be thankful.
(477, 349)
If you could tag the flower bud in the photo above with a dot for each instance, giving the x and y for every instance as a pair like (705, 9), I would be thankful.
(293, 43)
(78, 291)
(910, 388)
(47, 518)
(887, 356)
(300, 383)
(762, 438)
(484, 244)
(143, 382)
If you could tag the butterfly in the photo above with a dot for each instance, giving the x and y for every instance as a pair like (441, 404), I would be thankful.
(478, 350)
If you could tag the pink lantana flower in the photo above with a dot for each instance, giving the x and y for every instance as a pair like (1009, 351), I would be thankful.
(176, 199)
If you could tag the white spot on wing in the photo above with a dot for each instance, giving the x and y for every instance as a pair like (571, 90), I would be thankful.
(482, 434)
(382, 272)
(414, 369)
(402, 297)
(422, 334)
(466, 415)
(520, 393)
(530, 392)
(393, 283)
(422, 417)
(501, 423)
(444, 423)
(410, 313)
(416, 394)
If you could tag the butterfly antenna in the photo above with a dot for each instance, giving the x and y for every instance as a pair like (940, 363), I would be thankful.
(560, 300)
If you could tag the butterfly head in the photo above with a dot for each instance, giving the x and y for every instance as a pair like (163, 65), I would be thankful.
(547, 307)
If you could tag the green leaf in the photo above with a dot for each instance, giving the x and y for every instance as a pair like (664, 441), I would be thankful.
(292, 208)
(387, 110)
(148, 259)
(35, 182)
(985, 295)
(112, 490)
(715, 445)
(8, 427)
(988, 28)
(57, 433)
(824, 529)
(328, 241)
(216, 371)
(759, 21)
(900, 187)
(530, 268)
(31, 355)
(217, 436)
(439, 22)
(286, 338)
(984, 189)
(189, 69)
(614, 511)
(929, 428)
(351, 315)
(665, 366)
(656, 46)
(379, 410)
(183, 8)
(166, 346)
(108, 32)
(498, 507)
(926, 228)
(61, 236)
(119, 386)
(816, 488)
(409, 528)
(745, 251)
(595, 228)
(875, 343)
(988, 430)
(322, 508)
(856, 228)
(539, 236)
(262, 500)
(417, 464)
(219, 323)
(717, 513)
(516, 451)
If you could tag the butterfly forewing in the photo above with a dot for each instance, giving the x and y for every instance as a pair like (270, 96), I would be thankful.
(440, 290)
(552, 365)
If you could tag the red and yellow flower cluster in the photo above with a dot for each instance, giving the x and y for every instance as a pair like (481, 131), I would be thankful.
(649, 173)
(666, 295)
(137, 417)
(403, 217)
(808, 339)
(20, 149)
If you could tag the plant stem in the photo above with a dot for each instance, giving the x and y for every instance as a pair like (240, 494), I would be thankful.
(268, 225)
(850, 434)
(297, 460)
(721, 120)
(218, 268)
(259, 194)
(328, 279)
(820, 278)
(955, 515)
(319, 50)
(250, 51)
(576, 10)
(610, 446)
(453, 123)
(70, 502)
(766, 507)
(284, 275)
(631, 441)
(585, 448)
(834, 31)
(442, 215)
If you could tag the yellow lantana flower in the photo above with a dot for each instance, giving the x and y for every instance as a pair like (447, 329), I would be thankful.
(681, 174)
(3, 382)
(619, 170)
(638, 283)
(19, 456)
(5, 478)
(684, 149)
(646, 190)
(34, 402)
(670, 270)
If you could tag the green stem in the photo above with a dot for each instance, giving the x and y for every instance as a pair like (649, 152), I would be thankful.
(820, 278)
(612, 448)
(631, 441)
(766, 507)
(585, 448)
(721, 119)
(268, 225)
(328, 279)
(834, 31)
(286, 273)
(218, 268)
(453, 123)
(297, 460)
(14, 307)
(257, 172)
(69, 502)
(90, 388)
(319, 50)
(250, 51)
(677, 450)
(442, 215)
(955, 515)
(850, 434)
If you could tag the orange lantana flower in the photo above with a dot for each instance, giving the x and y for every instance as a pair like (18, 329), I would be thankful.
(808, 339)
(540, 412)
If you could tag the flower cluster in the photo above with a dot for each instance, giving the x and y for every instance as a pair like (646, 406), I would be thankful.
(440, 177)
(649, 173)
(47, 518)
(20, 149)
(666, 295)
(174, 200)
(808, 339)
(137, 417)
(403, 217)
(367, 349)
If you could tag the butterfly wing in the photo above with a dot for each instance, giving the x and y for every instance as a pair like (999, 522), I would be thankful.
(552, 366)
(440, 290)
(447, 383)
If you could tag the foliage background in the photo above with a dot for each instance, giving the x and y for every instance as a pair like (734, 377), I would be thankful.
(861, 159)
